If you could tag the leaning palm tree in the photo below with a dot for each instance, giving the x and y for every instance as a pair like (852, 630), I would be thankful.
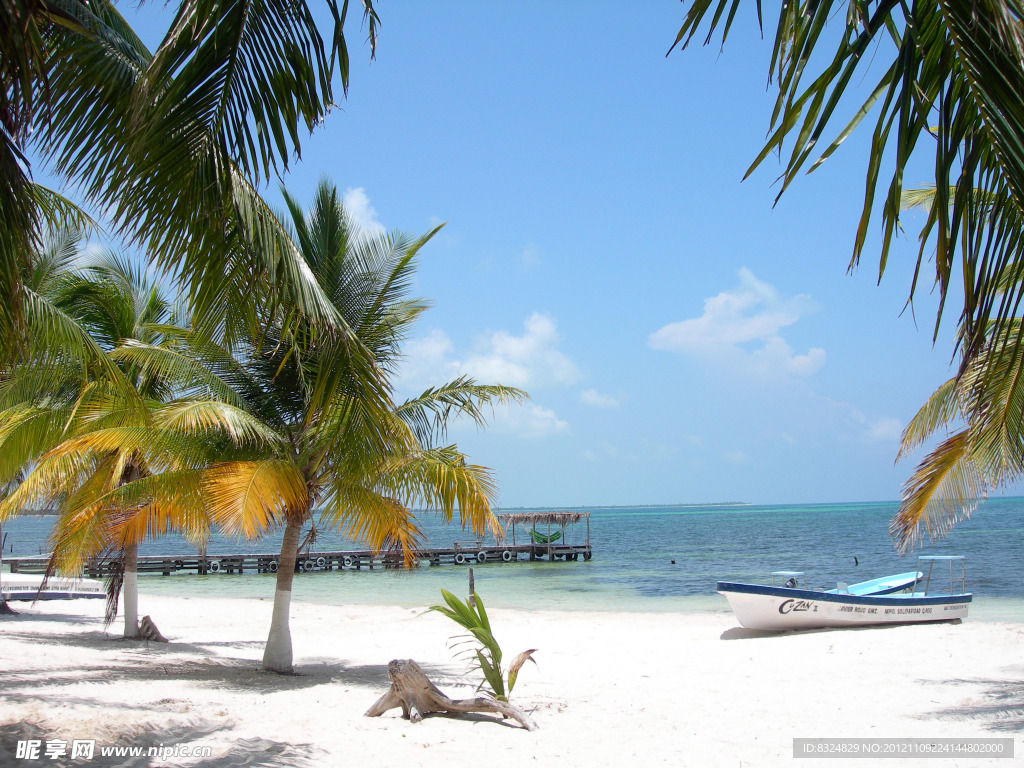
(67, 425)
(335, 449)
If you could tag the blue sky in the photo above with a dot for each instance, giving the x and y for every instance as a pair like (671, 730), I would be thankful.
(683, 340)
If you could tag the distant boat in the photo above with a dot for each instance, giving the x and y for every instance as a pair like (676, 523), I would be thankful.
(22, 586)
(905, 598)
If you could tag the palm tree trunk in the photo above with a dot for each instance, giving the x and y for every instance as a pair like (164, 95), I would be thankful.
(130, 591)
(277, 655)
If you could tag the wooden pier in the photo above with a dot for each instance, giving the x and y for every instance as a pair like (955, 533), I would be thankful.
(550, 546)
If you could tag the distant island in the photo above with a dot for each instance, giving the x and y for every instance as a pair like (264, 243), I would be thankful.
(638, 506)
(49, 512)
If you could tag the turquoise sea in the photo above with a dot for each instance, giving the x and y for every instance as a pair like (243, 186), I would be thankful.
(632, 568)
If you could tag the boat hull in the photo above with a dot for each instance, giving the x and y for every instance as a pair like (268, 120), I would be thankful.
(17, 586)
(777, 608)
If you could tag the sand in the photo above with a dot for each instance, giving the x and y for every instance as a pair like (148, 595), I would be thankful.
(609, 689)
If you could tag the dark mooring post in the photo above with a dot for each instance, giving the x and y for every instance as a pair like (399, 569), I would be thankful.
(472, 589)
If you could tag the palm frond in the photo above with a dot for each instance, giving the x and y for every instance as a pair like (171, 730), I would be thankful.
(954, 70)
(939, 410)
(431, 412)
(198, 417)
(367, 515)
(440, 479)
(944, 489)
(247, 499)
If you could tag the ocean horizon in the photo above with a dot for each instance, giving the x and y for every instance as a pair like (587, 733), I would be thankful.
(646, 558)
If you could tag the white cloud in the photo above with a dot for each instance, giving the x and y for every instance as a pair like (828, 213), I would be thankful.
(427, 361)
(736, 458)
(362, 212)
(868, 429)
(530, 257)
(595, 399)
(744, 325)
(529, 360)
(876, 429)
(603, 450)
(530, 421)
(883, 429)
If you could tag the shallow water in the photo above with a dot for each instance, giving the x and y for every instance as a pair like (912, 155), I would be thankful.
(632, 567)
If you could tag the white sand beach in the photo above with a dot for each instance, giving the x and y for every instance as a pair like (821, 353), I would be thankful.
(609, 689)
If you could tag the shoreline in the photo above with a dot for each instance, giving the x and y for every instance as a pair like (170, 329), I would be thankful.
(421, 588)
(610, 687)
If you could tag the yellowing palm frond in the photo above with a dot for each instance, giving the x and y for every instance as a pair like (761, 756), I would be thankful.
(26, 431)
(48, 482)
(440, 479)
(100, 515)
(366, 515)
(248, 498)
(944, 489)
(80, 534)
(170, 502)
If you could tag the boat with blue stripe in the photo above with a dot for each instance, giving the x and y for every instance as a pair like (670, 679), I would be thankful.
(918, 596)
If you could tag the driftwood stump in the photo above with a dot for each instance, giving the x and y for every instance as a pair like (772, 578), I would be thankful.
(412, 690)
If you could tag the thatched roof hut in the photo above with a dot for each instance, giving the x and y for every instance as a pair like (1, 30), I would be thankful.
(536, 518)
(545, 521)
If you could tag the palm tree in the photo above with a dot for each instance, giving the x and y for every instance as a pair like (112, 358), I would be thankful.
(335, 448)
(951, 75)
(164, 140)
(87, 435)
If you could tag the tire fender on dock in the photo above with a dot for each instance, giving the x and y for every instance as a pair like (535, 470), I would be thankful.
(321, 562)
(459, 558)
(307, 564)
(272, 566)
(348, 561)
(507, 556)
(481, 556)
(214, 566)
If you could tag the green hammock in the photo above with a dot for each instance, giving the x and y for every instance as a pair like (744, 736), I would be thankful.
(544, 539)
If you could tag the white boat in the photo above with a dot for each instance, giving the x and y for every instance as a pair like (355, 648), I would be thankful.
(925, 597)
(22, 586)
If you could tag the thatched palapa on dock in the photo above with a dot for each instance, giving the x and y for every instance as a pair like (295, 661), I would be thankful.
(532, 518)
(552, 545)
